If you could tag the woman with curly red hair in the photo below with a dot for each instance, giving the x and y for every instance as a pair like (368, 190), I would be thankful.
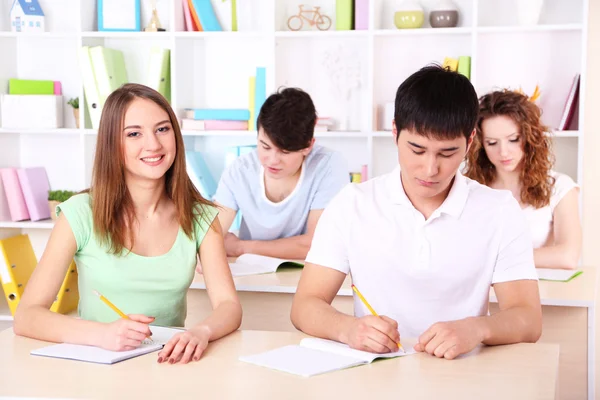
(512, 151)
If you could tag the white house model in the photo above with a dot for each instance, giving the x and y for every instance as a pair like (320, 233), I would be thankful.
(26, 16)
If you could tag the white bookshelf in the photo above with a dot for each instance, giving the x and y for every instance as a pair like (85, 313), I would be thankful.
(211, 69)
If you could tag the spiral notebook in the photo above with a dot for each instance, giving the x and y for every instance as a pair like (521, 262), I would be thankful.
(160, 337)
(315, 356)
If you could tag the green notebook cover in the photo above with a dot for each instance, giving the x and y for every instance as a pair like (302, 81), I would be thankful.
(109, 69)
(344, 15)
(29, 86)
(570, 278)
(464, 66)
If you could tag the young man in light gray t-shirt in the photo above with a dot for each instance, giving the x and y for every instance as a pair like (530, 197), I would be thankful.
(283, 186)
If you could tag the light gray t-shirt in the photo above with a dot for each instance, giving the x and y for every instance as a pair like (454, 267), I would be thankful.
(324, 174)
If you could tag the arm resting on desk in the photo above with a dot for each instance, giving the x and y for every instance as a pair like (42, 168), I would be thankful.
(564, 252)
(312, 311)
(520, 315)
(294, 248)
(313, 314)
(227, 310)
(33, 317)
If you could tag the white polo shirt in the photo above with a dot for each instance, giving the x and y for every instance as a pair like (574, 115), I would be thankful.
(419, 271)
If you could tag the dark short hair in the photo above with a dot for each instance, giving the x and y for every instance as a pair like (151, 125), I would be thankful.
(288, 118)
(437, 103)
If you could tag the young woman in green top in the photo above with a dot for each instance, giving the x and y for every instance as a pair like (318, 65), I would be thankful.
(135, 236)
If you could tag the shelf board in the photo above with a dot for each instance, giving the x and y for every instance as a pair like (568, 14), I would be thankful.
(533, 28)
(424, 31)
(321, 34)
(219, 133)
(126, 35)
(227, 34)
(41, 131)
(43, 224)
(40, 35)
(565, 134)
(382, 134)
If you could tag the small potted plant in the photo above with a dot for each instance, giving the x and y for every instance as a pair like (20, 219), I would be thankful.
(74, 102)
(55, 197)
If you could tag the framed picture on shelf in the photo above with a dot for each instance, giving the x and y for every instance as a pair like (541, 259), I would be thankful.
(119, 15)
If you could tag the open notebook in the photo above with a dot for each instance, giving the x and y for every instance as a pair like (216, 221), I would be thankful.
(252, 264)
(558, 275)
(318, 356)
(160, 337)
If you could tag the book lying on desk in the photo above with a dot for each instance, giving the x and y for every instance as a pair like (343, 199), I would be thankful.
(160, 337)
(315, 356)
(254, 264)
(558, 275)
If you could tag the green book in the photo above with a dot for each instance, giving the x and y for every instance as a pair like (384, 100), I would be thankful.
(557, 275)
(464, 66)
(29, 86)
(344, 15)
(109, 70)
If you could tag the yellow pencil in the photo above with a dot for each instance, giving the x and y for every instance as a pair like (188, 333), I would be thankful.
(366, 303)
(111, 305)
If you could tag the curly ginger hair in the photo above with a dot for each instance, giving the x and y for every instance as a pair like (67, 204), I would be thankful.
(536, 182)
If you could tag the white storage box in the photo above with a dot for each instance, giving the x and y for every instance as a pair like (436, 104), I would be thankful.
(31, 111)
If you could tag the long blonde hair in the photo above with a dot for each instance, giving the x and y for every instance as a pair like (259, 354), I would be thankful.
(112, 205)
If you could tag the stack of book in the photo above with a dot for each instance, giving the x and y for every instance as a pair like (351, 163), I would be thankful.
(230, 119)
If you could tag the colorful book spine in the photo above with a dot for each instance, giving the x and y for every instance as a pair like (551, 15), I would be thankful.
(451, 64)
(218, 114)
(30, 86)
(215, 125)
(206, 15)
(364, 173)
(464, 66)
(361, 15)
(57, 88)
(344, 15)
(260, 91)
(187, 16)
(196, 21)
(14, 194)
(252, 104)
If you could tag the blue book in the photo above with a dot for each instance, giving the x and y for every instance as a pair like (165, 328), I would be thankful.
(260, 92)
(200, 174)
(221, 114)
(207, 16)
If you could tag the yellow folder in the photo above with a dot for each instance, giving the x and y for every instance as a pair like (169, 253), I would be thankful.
(17, 262)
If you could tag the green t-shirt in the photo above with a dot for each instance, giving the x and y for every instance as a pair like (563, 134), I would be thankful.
(153, 286)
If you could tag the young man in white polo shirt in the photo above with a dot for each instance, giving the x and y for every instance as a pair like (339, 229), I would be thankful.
(423, 243)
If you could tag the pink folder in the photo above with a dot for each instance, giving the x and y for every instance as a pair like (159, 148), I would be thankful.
(14, 194)
(189, 26)
(4, 210)
(35, 186)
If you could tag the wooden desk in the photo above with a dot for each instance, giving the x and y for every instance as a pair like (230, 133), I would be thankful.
(568, 317)
(522, 371)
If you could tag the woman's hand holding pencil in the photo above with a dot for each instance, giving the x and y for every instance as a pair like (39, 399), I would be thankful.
(126, 333)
